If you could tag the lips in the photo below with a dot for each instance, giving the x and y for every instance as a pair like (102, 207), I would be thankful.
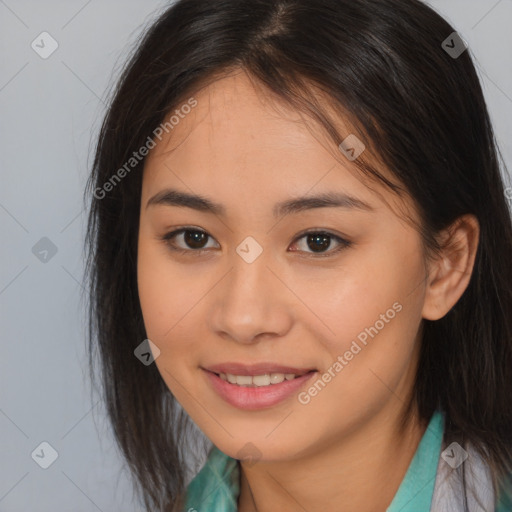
(257, 397)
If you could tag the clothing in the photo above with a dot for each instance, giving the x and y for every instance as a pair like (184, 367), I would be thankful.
(217, 485)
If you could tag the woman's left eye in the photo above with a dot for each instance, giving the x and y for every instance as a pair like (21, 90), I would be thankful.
(194, 240)
(320, 240)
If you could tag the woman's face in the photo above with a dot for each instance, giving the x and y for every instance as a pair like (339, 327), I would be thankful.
(262, 297)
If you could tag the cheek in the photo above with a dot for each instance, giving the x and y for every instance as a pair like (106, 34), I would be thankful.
(367, 318)
(165, 290)
(172, 302)
(351, 302)
(160, 294)
(164, 308)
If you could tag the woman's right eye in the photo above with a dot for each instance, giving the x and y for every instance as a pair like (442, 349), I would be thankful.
(193, 240)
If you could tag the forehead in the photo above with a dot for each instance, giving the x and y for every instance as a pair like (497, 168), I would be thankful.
(239, 139)
(235, 117)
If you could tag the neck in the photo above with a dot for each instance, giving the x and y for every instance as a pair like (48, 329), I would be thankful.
(362, 471)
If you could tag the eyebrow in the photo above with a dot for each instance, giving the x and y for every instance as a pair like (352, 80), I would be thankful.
(173, 197)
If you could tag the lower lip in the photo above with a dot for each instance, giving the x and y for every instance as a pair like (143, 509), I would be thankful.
(253, 398)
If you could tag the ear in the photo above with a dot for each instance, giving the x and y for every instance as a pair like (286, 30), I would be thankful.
(449, 273)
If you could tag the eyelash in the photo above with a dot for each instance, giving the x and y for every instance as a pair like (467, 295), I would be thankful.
(167, 239)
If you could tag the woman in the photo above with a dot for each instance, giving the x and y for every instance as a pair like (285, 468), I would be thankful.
(299, 240)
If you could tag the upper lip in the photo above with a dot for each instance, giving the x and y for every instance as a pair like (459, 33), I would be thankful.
(256, 369)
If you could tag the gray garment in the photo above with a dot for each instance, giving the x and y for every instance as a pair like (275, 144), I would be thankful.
(448, 489)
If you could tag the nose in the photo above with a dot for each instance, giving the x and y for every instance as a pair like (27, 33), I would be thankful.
(251, 302)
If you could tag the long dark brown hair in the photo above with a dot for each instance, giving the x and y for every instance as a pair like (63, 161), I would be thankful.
(419, 107)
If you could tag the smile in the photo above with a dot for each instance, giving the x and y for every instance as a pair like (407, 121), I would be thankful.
(266, 379)
(258, 390)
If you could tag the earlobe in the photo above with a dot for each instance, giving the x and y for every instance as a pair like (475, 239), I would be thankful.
(450, 273)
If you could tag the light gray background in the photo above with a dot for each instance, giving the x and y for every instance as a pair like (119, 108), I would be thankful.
(50, 112)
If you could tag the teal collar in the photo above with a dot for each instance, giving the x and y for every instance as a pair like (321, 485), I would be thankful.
(217, 486)
(417, 487)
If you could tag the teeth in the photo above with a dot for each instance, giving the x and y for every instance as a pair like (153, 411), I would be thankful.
(261, 380)
(231, 378)
(257, 380)
(244, 380)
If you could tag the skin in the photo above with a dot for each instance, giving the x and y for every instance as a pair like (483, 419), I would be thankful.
(343, 451)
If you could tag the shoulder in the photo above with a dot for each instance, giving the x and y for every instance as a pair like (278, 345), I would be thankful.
(463, 474)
